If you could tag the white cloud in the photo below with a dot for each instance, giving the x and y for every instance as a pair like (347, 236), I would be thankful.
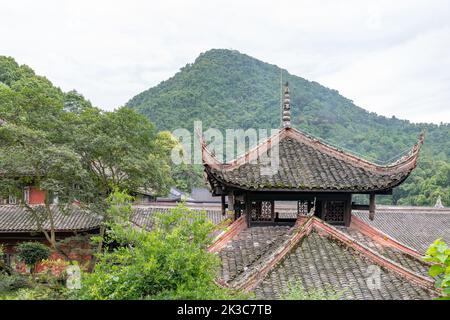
(389, 57)
(409, 80)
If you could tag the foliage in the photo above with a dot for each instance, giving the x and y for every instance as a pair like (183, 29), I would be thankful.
(168, 262)
(295, 291)
(10, 283)
(37, 292)
(115, 149)
(43, 286)
(31, 253)
(228, 90)
(68, 148)
(4, 268)
(186, 177)
(430, 180)
(55, 270)
(439, 254)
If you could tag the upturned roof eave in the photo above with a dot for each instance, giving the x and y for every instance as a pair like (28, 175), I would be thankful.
(400, 169)
(289, 189)
(407, 163)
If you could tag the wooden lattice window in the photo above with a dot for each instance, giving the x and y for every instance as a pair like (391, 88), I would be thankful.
(262, 211)
(302, 207)
(266, 210)
(334, 211)
(255, 210)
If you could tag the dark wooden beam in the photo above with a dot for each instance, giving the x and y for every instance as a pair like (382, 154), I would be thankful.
(348, 210)
(287, 196)
(247, 208)
(360, 206)
(222, 198)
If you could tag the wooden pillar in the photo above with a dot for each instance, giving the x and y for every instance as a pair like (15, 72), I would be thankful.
(348, 210)
(372, 206)
(224, 211)
(272, 209)
(248, 206)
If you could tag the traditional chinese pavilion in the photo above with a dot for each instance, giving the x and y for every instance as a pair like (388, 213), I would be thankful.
(320, 178)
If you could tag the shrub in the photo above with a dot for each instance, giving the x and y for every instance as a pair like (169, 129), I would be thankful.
(4, 268)
(439, 254)
(168, 262)
(56, 268)
(9, 283)
(35, 293)
(31, 253)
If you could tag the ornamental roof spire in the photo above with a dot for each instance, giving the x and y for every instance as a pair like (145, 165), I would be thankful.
(286, 116)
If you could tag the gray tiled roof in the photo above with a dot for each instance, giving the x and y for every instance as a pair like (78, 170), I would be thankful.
(415, 227)
(317, 262)
(203, 195)
(320, 263)
(308, 165)
(143, 216)
(15, 218)
(388, 252)
(247, 247)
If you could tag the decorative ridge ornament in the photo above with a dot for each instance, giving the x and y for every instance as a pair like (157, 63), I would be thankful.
(286, 116)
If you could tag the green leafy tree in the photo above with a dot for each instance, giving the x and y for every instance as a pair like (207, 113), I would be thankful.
(187, 176)
(4, 268)
(67, 148)
(27, 157)
(168, 262)
(439, 254)
(31, 253)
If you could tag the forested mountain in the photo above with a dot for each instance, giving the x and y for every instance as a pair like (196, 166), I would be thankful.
(227, 89)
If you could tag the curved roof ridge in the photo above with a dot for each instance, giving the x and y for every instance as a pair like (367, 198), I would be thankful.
(207, 156)
(405, 163)
(251, 154)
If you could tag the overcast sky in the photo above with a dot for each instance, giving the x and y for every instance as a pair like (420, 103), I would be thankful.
(391, 57)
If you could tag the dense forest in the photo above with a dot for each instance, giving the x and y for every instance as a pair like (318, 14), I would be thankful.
(226, 89)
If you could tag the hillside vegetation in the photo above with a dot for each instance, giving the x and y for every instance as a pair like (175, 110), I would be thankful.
(226, 89)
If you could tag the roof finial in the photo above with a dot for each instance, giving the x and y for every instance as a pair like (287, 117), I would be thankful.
(286, 116)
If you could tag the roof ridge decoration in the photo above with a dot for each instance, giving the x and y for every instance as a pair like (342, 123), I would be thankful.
(286, 116)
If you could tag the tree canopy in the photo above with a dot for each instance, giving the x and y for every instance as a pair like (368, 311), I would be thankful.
(170, 261)
(68, 148)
